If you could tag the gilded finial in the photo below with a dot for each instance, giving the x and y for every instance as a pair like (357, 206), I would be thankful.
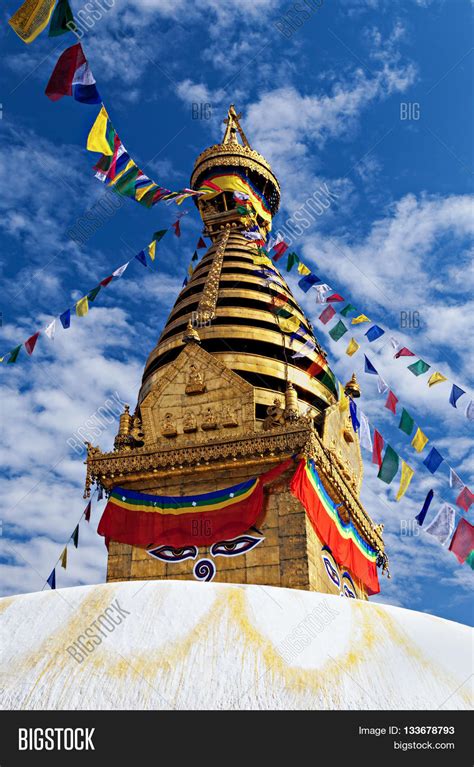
(190, 334)
(352, 388)
(232, 127)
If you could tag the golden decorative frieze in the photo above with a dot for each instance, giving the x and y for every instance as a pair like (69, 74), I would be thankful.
(207, 304)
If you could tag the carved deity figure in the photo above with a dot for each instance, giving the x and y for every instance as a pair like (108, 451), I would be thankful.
(275, 415)
(209, 421)
(195, 383)
(168, 428)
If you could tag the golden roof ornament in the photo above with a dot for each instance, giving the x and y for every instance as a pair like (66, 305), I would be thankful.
(233, 126)
(352, 388)
(191, 335)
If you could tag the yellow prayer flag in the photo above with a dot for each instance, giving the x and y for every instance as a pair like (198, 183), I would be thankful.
(31, 18)
(289, 324)
(82, 307)
(190, 270)
(359, 319)
(141, 192)
(419, 440)
(128, 167)
(152, 250)
(262, 260)
(96, 140)
(303, 269)
(352, 347)
(64, 558)
(436, 378)
(405, 479)
(343, 400)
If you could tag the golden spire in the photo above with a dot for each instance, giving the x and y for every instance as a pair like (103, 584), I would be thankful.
(233, 126)
(352, 388)
(191, 335)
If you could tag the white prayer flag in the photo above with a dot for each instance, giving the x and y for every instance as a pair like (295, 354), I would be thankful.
(308, 347)
(442, 526)
(364, 433)
(381, 385)
(454, 480)
(118, 272)
(469, 412)
(321, 291)
(51, 330)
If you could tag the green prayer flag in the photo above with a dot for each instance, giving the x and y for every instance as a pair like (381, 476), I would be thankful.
(14, 355)
(338, 331)
(75, 537)
(389, 465)
(93, 294)
(195, 256)
(242, 210)
(347, 310)
(470, 559)
(292, 260)
(406, 422)
(126, 183)
(159, 234)
(418, 368)
(281, 312)
(62, 15)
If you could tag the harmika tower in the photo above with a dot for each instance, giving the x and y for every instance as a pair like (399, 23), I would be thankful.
(223, 400)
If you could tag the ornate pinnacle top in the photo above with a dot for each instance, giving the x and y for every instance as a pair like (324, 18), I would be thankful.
(352, 388)
(233, 126)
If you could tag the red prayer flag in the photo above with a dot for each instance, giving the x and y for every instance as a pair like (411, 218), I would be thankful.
(377, 447)
(465, 498)
(87, 512)
(279, 249)
(60, 82)
(31, 343)
(391, 403)
(201, 243)
(327, 314)
(462, 542)
(315, 368)
(335, 297)
(177, 228)
(404, 352)
(106, 281)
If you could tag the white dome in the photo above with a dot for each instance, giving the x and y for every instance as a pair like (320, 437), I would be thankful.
(187, 645)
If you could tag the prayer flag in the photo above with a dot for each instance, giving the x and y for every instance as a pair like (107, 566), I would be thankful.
(405, 479)
(352, 347)
(436, 378)
(338, 331)
(31, 18)
(462, 542)
(334, 298)
(152, 250)
(195, 256)
(358, 320)
(31, 343)
(404, 352)
(420, 518)
(465, 499)
(305, 350)
(347, 310)
(391, 403)
(75, 536)
(51, 580)
(106, 280)
(469, 412)
(382, 386)
(433, 461)
(419, 367)
(50, 330)
(201, 243)
(87, 511)
(327, 314)
(321, 291)
(353, 414)
(307, 281)
(161, 233)
(279, 249)
(377, 449)
(303, 269)
(456, 392)
(82, 307)
(177, 228)
(97, 138)
(92, 295)
(61, 18)
(406, 422)
(292, 259)
(13, 355)
(72, 77)
(64, 558)
(419, 440)
(118, 272)
(364, 433)
(374, 332)
(454, 480)
(288, 324)
(343, 399)
(368, 367)
(389, 465)
(142, 258)
(315, 368)
(442, 526)
(65, 318)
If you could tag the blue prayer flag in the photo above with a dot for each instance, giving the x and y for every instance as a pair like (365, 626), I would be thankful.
(141, 257)
(456, 392)
(433, 461)
(420, 518)
(65, 318)
(374, 332)
(308, 281)
(369, 368)
(353, 412)
(52, 579)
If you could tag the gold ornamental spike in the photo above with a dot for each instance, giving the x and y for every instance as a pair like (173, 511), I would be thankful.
(352, 388)
(233, 126)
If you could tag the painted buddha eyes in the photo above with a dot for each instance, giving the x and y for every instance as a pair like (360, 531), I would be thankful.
(331, 566)
(348, 587)
(240, 545)
(168, 554)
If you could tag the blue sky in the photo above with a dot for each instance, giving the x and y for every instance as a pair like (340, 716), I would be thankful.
(324, 106)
